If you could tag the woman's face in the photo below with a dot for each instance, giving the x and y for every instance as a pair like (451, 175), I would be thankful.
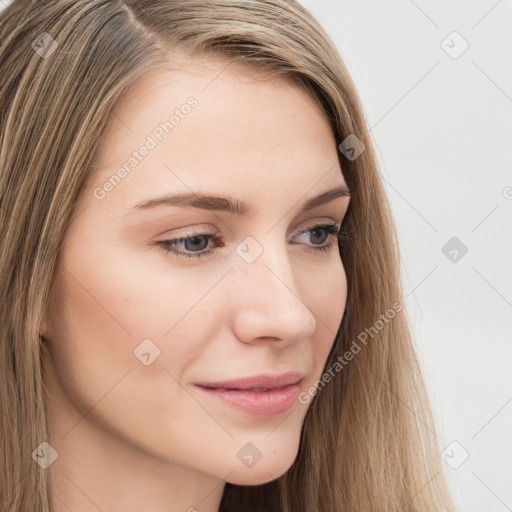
(135, 323)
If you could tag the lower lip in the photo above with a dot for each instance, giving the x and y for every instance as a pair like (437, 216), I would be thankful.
(264, 404)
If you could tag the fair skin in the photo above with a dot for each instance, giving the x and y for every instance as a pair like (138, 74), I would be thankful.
(131, 436)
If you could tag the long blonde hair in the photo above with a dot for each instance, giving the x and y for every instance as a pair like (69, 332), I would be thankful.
(368, 440)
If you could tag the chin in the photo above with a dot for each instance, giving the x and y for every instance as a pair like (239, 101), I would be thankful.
(261, 476)
(263, 471)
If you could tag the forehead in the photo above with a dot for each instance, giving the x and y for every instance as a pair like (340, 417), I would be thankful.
(246, 131)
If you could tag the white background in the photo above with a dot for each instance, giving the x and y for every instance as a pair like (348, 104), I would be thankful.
(442, 127)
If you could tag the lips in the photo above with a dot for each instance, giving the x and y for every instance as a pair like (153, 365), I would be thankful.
(263, 396)
(256, 382)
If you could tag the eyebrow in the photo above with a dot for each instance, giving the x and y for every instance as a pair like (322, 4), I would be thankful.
(231, 205)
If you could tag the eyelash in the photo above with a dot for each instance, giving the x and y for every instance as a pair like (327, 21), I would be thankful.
(333, 230)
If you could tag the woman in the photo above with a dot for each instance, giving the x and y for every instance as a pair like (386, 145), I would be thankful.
(270, 367)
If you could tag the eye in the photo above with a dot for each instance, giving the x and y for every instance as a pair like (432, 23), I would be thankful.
(319, 233)
(193, 245)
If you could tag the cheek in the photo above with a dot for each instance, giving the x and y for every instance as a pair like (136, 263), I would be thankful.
(111, 315)
(332, 296)
(327, 299)
(98, 319)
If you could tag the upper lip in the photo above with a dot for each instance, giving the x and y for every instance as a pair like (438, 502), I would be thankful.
(256, 381)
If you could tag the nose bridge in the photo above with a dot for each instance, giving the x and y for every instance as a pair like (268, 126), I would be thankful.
(266, 300)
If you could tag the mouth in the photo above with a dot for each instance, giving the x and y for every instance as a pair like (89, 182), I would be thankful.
(263, 396)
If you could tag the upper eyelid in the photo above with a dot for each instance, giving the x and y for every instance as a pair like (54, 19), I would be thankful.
(206, 231)
(310, 227)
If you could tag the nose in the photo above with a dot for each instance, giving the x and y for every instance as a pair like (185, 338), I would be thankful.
(268, 306)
